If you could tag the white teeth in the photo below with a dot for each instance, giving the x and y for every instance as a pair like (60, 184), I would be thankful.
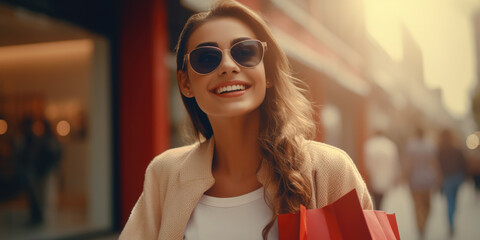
(230, 88)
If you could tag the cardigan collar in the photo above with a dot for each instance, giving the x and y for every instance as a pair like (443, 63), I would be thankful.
(198, 162)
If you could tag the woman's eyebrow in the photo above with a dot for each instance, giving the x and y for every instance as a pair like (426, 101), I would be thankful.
(214, 44)
(207, 44)
(238, 40)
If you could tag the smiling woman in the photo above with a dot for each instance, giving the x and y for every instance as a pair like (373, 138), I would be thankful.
(254, 157)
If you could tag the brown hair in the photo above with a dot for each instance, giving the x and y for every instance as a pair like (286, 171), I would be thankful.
(287, 115)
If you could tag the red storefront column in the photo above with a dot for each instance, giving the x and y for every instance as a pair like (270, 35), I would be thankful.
(144, 114)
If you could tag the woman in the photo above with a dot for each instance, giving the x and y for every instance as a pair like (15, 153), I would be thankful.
(453, 167)
(422, 170)
(252, 160)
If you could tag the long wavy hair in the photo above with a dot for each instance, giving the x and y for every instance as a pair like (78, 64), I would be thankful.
(287, 115)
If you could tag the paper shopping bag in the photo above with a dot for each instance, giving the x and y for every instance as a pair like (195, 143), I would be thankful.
(343, 219)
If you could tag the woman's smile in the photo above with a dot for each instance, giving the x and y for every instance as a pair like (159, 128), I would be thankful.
(230, 88)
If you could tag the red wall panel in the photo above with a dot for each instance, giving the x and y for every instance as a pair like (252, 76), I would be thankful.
(144, 118)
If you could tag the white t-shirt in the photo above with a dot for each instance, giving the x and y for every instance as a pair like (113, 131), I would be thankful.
(381, 159)
(242, 217)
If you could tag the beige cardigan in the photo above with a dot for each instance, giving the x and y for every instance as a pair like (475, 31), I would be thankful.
(176, 179)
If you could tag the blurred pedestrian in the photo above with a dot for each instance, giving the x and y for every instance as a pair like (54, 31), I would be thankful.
(10, 183)
(475, 172)
(422, 173)
(381, 159)
(38, 152)
(453, 168)
(473, 167)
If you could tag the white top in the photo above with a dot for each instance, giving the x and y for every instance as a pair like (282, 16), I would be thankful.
(381, 159)
(242, 217)
(420, 153)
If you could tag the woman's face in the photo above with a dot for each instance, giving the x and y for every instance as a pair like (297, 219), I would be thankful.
(230, 90)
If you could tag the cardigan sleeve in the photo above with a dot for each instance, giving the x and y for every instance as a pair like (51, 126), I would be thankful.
(346, 177)
(145, 218)
(336, 175)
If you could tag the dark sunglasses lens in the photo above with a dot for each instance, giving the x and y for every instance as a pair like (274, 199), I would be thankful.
(247, 53)
(205, 60)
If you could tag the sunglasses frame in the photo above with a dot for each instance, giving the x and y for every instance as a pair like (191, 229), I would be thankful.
(186, 57)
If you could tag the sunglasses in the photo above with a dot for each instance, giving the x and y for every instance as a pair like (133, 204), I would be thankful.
(205, 59)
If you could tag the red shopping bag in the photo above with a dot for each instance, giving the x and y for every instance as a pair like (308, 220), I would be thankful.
(342, 220)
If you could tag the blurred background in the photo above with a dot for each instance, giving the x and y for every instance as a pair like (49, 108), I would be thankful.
(88, 97)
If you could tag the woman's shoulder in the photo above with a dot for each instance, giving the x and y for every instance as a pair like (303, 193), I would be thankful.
(335, 174)
(327, 160)
(323, 153)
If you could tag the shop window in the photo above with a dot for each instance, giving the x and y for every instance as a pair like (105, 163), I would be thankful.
(55, 146)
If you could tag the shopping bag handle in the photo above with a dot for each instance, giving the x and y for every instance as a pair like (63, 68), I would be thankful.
(303, 223)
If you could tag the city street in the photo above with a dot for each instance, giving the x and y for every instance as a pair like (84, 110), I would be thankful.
(467, 217)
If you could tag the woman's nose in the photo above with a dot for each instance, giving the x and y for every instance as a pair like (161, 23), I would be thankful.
(228, 65)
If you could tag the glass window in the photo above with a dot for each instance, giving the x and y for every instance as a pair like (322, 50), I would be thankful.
(55, 153)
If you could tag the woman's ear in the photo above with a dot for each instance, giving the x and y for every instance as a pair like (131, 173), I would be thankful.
(269, 83)
(184, 84)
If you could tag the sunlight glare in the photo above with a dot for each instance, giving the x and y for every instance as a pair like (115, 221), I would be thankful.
(382, 22)
(443, 31)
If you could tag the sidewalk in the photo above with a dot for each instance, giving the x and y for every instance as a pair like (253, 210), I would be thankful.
(467, 216)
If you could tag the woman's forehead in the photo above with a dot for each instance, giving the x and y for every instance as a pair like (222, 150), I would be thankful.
(221, 31)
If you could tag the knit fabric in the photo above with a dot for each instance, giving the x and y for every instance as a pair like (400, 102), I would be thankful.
(176, 180)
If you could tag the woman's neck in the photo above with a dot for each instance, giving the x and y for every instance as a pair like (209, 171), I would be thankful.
(237, 153)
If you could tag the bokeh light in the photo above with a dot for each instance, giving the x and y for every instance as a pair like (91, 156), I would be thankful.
(63, 128)
(3, 126)
(473, 141)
